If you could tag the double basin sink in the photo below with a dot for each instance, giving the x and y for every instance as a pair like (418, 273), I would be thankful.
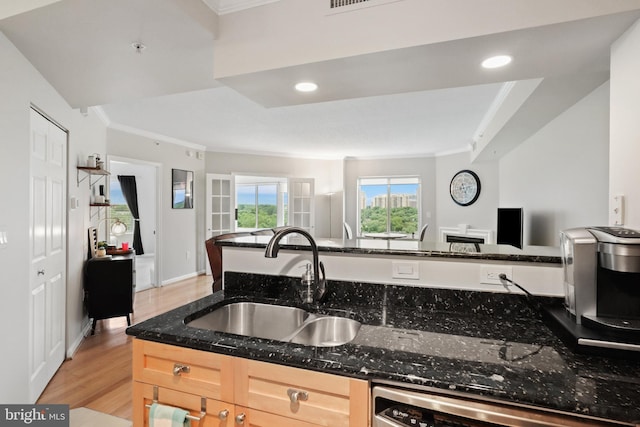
(280, 323)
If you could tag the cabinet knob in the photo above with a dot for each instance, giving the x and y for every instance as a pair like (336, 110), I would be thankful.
(179, 368)
(297, 395)
(223, 414)
(240, 418)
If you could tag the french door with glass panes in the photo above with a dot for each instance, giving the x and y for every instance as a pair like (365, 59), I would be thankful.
(301, 204)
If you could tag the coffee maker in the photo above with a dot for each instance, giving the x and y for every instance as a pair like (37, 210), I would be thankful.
(602, 287)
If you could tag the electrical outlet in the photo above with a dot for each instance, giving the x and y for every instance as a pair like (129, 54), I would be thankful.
(405, 270)
(188, 255)
(490, 274)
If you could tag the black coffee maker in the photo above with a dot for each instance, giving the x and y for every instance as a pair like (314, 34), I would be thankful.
(602, 287)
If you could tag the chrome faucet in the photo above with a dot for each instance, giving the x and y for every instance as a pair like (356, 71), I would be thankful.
(319, 283)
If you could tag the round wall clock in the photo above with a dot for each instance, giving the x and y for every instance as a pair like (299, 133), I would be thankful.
(465, 187)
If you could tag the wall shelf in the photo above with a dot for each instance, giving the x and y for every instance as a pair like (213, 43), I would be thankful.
(89, 171)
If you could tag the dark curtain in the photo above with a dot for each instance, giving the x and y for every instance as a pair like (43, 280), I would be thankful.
(130, 192)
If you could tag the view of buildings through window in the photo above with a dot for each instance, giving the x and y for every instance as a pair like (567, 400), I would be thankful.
(390, 204)
(261, 205)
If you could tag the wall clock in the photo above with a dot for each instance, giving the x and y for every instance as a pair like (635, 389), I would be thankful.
(465, 187)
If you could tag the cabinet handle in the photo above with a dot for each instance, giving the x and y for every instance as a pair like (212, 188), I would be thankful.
(223, 414)
(240, 418)
(297, 395)
(41, 272)
(179, 368)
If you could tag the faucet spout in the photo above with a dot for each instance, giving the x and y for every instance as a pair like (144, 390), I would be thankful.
(273, 247)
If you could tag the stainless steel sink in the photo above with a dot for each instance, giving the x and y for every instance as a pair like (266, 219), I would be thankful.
(327, 331)
(279, 322)
(253, 319)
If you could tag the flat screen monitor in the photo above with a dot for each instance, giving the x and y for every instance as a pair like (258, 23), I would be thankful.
(510, 227)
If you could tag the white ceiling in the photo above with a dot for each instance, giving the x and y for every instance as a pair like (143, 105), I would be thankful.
(405, 107)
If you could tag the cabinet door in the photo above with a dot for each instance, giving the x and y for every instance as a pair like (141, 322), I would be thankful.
(193, 371)
(322, 399)
(248, 417)
(218, 414)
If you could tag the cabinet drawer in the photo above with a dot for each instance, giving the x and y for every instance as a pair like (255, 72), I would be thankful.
(143, 395)
(323, 399)
(254, 418)
(196, 372)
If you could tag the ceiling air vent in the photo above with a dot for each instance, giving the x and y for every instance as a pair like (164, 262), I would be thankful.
(341, 3)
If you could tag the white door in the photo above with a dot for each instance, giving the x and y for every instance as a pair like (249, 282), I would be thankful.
(301, 206)
(47, 252)
(220, 206)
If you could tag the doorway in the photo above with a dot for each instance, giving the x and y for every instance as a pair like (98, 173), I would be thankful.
(121, 222)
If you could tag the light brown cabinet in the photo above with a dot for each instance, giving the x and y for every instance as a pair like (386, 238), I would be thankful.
(240, 392)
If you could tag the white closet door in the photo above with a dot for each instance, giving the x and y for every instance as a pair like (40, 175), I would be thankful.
(48, 253)
(301, 203)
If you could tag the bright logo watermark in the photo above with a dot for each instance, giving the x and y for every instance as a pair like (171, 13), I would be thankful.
(34, 415)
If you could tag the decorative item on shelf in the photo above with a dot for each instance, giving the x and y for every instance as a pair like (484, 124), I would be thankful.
(91, 162)
(99, 163)
(101, 249)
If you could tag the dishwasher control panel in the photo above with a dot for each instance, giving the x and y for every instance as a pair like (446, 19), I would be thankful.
(412, 416)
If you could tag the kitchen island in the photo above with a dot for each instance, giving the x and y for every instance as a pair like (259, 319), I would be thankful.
(480, 345)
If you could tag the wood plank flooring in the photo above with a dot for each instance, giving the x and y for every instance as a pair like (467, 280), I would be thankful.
(99, 375)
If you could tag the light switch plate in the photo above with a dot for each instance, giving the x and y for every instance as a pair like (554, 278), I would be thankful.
(405, 270)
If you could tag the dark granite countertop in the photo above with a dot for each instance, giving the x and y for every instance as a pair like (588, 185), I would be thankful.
(487, 345)
(406, 247)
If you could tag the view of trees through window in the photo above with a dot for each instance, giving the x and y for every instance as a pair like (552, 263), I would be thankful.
(118, 208)
(258, 206)
(389, 205)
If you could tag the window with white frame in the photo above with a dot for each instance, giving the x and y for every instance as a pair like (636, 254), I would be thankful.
(389, 205)
(261, 202)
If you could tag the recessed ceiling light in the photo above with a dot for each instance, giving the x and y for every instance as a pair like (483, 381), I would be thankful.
(496, 61)
(306, 87)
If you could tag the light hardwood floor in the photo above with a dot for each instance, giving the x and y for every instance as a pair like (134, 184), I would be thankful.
(99, 375)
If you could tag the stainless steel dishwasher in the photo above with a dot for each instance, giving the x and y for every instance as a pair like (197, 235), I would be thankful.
(401, 407)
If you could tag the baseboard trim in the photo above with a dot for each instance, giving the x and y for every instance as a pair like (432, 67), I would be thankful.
(71, 350)
(179, 278)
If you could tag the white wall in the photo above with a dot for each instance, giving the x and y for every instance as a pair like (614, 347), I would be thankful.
(625, 124)
(327, 175)
(423, 167)
(87, 136)
(20, 86)
(560, 175)
(480, 215)
(181, 246)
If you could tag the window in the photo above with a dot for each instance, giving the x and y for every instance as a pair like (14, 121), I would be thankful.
(260, 202)
(118, 209)
(389, 204)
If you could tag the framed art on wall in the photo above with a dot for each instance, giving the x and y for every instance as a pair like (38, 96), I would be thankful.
(181, 189)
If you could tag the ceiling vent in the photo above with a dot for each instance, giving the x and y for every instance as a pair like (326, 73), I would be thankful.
(342, 3)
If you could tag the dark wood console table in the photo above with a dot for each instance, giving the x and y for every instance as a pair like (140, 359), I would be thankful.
(109, 287)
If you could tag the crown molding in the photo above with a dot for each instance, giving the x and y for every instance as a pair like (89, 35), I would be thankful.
(156, 136)
(222, 7)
